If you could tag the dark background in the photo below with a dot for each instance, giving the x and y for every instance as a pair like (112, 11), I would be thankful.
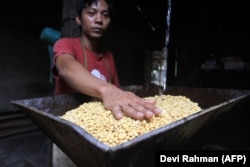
(199, 30)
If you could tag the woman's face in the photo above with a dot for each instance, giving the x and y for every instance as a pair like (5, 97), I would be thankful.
(95, 19)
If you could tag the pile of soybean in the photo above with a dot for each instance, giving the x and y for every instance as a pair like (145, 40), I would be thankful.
(101, 124)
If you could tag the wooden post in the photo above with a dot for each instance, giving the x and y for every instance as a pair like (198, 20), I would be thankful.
(69, 26)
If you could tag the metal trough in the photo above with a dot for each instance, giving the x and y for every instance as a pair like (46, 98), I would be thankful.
(185, 134)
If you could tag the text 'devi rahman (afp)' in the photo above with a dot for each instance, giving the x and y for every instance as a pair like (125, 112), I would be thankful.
(203, 157)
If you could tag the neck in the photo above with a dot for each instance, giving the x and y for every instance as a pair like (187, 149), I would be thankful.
(92, 44)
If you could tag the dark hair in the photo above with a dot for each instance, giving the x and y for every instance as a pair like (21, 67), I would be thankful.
(81, 4)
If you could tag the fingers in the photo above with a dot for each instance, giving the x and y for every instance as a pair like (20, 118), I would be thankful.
(126, 103)
(150, 101)
(117, 111)
(139, 110)
(148, 108)
(132, 112)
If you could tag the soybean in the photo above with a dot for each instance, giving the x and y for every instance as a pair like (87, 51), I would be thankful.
(101, 124)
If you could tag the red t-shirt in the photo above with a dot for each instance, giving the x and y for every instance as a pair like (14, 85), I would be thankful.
(101, 67)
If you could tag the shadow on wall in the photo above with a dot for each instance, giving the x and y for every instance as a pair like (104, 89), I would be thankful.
(24, 66)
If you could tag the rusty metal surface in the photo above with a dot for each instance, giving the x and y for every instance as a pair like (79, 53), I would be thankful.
(187, 133)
